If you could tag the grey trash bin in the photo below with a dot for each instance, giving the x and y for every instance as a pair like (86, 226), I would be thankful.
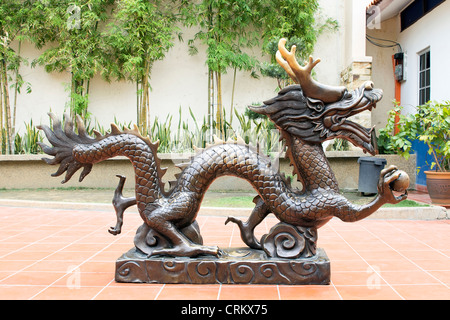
(369, 173)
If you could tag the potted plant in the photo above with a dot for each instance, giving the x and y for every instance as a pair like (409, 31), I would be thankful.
(430, 124)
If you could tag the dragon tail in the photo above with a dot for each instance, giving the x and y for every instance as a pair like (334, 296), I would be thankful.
(63, 141)
(77, 150)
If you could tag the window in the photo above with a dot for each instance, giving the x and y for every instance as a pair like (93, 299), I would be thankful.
(416, 10)
(424, 77)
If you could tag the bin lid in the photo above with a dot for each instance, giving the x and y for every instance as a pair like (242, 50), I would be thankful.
(375, 160)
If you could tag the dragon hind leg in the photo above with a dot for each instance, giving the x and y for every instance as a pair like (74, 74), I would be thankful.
(180, 244)
(247, 228)
(148, 240)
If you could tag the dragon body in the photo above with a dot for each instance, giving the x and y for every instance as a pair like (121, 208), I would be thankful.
(169, 215)
(168, 212)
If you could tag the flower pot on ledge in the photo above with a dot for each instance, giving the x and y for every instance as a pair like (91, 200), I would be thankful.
(438, 185)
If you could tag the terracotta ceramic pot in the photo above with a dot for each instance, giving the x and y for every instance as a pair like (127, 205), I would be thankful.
(438, 185)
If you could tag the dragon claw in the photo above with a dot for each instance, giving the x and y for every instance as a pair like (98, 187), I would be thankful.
(114, 230)
(387, 176)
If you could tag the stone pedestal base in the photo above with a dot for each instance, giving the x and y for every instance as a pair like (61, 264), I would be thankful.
(234, 266)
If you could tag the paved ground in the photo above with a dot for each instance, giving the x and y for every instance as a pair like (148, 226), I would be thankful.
(68, 254)
(52, 246)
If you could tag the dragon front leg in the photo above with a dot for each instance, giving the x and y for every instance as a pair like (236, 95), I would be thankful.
(120, 205)
(247, 228)
(350, 213)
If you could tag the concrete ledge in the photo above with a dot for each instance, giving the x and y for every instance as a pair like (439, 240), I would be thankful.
(29, 171)
(411, 213)
(402, 213)
(405, 213)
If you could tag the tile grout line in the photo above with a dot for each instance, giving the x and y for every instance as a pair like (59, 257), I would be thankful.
(407, 257)
(74, 268)
(31, 218)
(84, 261)
(17, 223)
(79, 265)
(101, 290)
(218, 293)
(337, 291)
(231, 237)
(31, 243)
(35, 262)
(331, 282)
(159, 292)
(420, 241)
(375, 271)
(112, 280)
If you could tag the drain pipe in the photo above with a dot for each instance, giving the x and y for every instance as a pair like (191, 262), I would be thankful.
(397, 63)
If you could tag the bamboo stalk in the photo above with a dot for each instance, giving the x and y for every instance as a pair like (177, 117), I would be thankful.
(209, 96)
(13, 132)
(232, 96)
(219, 113)
(147, 105)
(86, 95)
(72, 101)
(212, 98)
(141, 99)
(144, 108)
(6, 108)
(137, 101)
(1, 109)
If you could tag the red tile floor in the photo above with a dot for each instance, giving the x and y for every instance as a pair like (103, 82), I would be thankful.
(68, 254)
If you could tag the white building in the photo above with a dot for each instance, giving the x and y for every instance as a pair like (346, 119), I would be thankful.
(420, 29)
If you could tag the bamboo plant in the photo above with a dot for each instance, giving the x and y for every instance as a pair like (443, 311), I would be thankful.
(141, 33)
(13, 17)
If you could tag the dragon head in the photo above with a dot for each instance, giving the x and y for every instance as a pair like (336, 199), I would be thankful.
(314, 121)
(315, 112)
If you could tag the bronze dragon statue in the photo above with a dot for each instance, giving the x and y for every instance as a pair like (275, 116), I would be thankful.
(306, 114)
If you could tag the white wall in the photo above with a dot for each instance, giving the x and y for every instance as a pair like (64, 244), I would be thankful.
(178, 80)
(382, 69)
(47, 93)
(432, 31)
(330, 44)
(182, 80)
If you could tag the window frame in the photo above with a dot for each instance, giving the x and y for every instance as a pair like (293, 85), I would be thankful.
(424, 76)
(416, 10)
